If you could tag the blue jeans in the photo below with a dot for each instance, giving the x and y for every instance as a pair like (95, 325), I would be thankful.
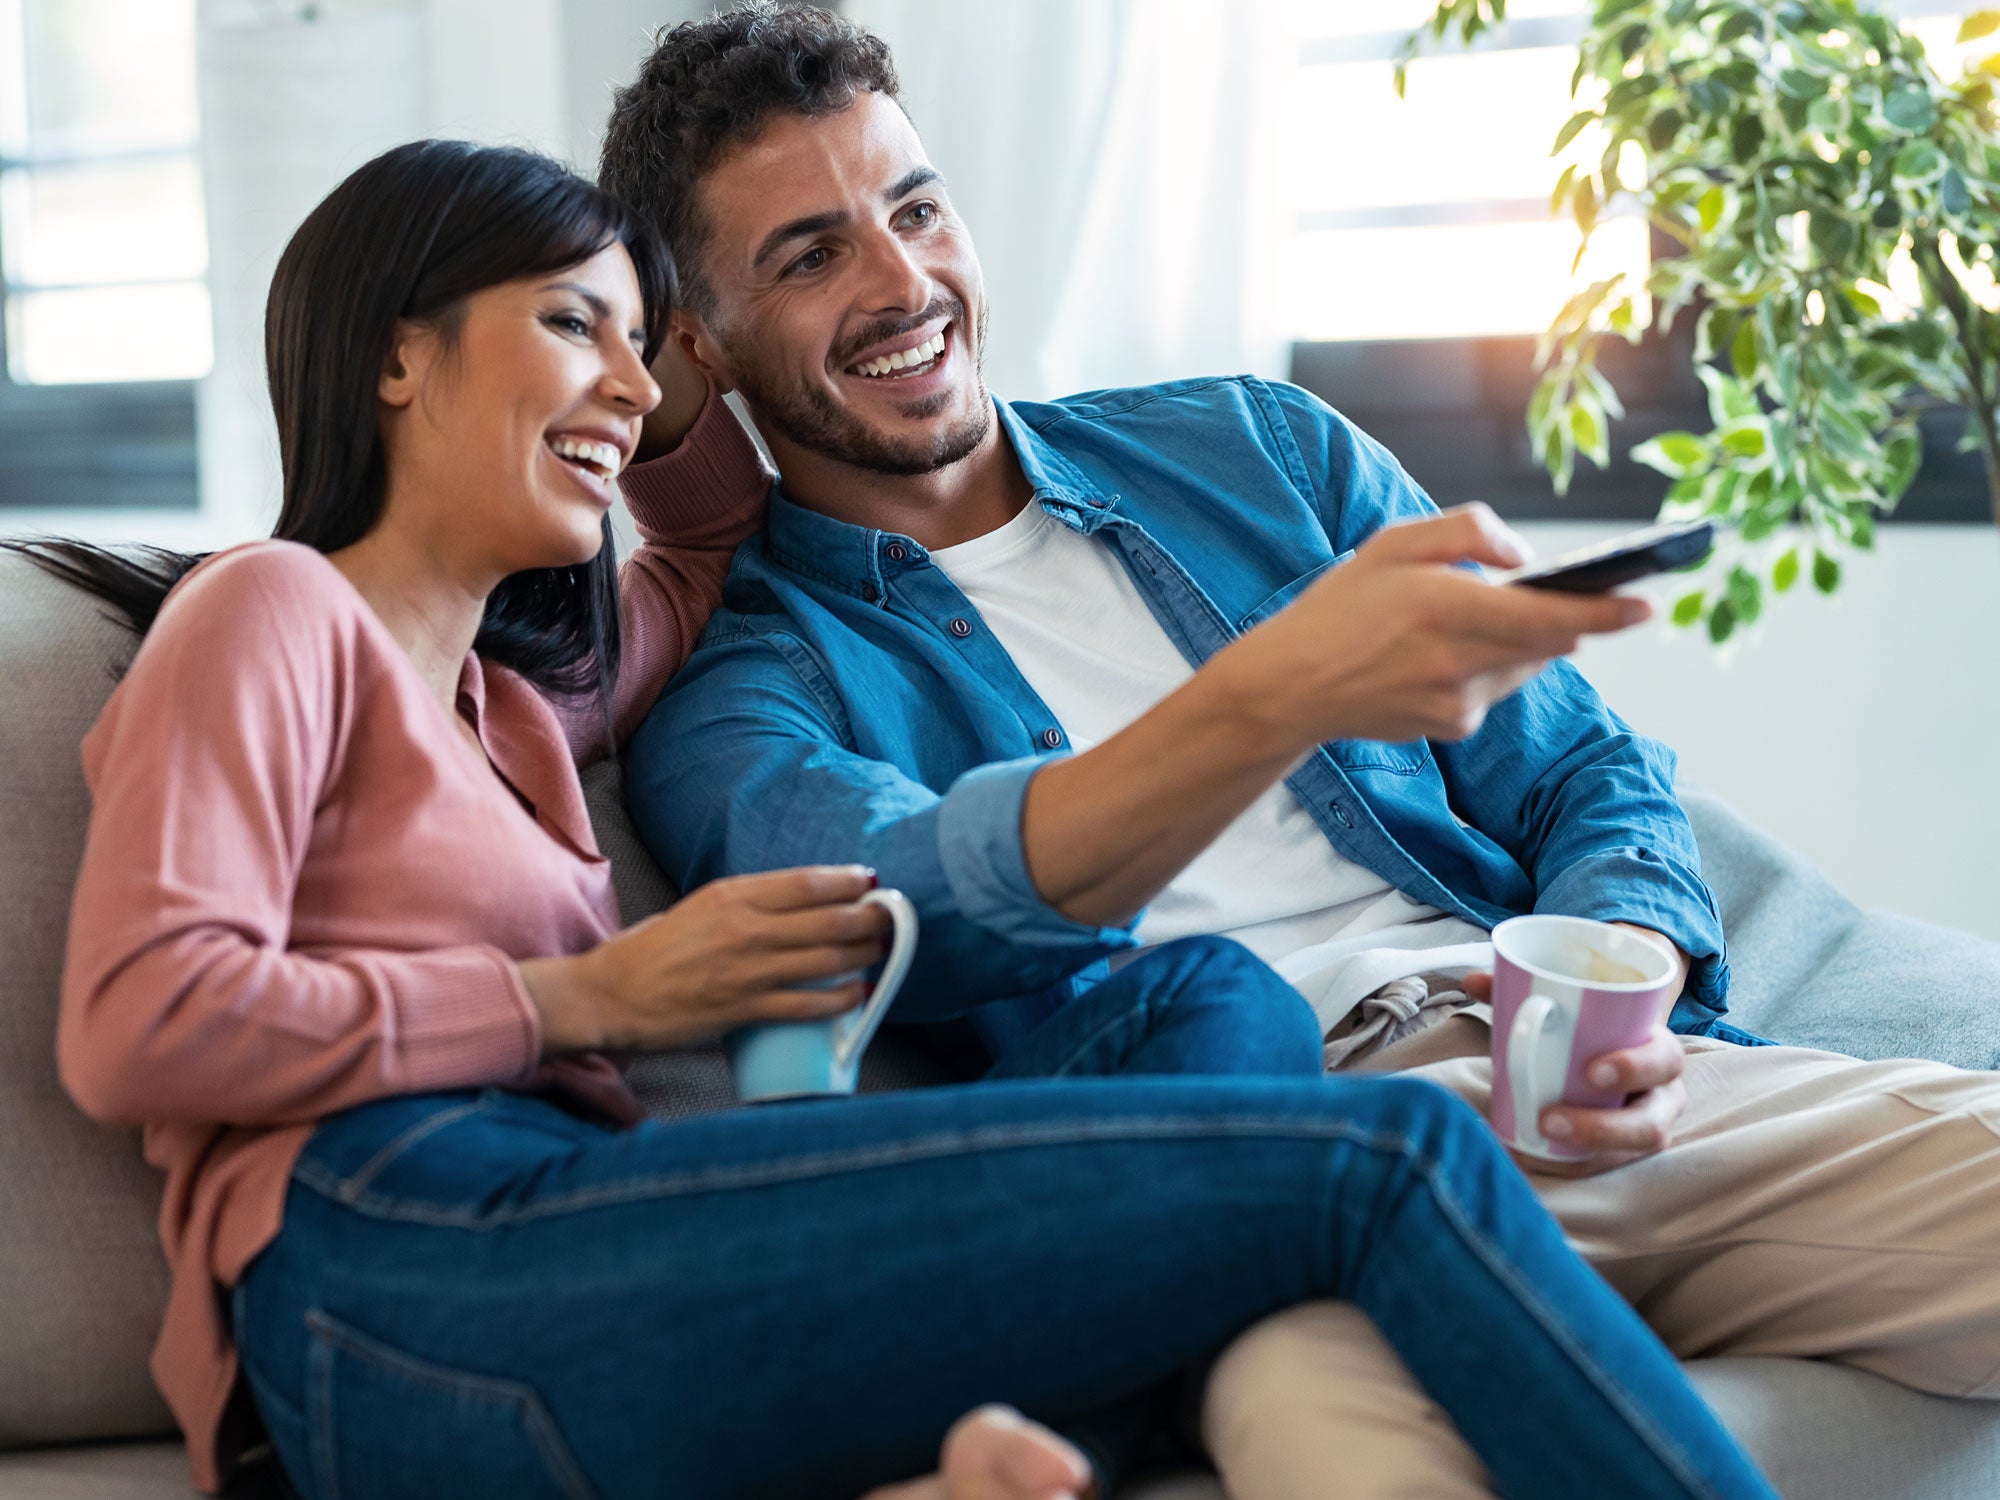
(482, 1294)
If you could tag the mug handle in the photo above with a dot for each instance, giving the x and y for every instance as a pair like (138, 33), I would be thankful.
(858, 1026)
(1524, 1047)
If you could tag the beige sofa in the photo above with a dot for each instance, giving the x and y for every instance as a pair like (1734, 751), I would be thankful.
(81, 1281)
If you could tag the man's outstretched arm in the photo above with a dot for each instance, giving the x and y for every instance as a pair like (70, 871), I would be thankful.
(1027, 870)
(1399, 643)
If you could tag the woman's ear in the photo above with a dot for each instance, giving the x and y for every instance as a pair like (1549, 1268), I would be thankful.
(403, 368)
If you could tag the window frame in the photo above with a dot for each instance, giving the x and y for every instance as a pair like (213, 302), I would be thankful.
(121, 445)
(1454, 410)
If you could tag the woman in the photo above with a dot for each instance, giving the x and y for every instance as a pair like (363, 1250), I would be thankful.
(343, 944)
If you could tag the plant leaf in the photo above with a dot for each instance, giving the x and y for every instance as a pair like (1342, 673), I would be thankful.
(1721, 622)
(1711, 207)
(1562, 188)
(1687, 608)
(1826, 573)
(1743, 350)
(1674, 454)
(1912, 110)
(1785, 572)
(1918, 163)
(1572, 128)
(1980, 23)
(1746, 594)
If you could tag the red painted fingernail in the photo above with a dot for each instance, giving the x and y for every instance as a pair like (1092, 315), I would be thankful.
(874, 880)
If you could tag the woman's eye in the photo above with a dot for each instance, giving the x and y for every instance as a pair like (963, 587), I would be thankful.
(571, 323)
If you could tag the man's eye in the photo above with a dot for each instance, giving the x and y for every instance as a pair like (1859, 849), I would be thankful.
(923, 213)
(811, 261)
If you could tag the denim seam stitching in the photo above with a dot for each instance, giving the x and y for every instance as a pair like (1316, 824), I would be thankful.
(352, 1185)
(1659, 1441)
(1145, 396)
(834, 1163)
(319, 1406)
(513, 1394)
(1095, 1039)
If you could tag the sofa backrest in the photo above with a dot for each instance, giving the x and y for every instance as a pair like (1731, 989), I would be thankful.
(82, 1279)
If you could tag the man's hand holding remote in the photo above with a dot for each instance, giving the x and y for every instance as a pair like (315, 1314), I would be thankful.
(1398, 643)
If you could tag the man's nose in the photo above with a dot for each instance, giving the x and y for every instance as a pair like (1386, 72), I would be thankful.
(896, 282)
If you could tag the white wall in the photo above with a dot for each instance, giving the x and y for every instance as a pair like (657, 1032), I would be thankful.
(1862, 730)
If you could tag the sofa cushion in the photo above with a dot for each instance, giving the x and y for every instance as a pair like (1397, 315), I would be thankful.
(102, 1471)
(82, 1279)
(1809, 968)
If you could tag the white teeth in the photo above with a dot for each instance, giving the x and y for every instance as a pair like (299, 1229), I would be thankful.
(602, 457)
(923, 354)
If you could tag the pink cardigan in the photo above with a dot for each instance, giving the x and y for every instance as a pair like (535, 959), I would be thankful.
(303, 889)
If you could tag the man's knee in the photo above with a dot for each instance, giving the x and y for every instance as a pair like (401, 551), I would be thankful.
(1219, 972)
(1319, 1379)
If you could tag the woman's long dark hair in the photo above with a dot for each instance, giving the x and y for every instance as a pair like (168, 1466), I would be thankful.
(411, 235)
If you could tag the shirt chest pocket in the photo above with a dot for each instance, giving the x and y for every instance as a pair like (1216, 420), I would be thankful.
(1404, 759)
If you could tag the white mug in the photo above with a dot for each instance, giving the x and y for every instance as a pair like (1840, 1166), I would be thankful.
(798, 1059)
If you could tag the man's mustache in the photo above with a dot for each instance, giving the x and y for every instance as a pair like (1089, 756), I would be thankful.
(890, 328)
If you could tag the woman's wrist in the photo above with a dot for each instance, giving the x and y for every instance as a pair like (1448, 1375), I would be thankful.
(564, 993)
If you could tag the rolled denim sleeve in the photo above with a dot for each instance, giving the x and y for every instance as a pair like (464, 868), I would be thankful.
(1586, 805)
(741, 768)
(1582, 803)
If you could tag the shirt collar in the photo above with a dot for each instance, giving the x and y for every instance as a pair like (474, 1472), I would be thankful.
(850, 557)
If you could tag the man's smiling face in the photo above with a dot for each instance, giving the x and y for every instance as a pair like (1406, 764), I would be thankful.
(846, 300)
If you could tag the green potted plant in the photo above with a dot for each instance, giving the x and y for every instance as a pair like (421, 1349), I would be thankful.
(1832, 204)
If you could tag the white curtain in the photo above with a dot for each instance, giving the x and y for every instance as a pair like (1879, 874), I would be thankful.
(1113, 159)
(294, 96)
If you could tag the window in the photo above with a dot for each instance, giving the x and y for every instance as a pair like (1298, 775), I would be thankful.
(1424, 259)
(104, 311)
(100, 195)
(1429, 216)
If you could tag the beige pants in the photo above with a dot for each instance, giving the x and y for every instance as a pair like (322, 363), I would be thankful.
(1810, 1205)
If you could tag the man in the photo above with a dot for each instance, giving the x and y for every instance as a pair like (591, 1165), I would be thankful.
(1089, 675)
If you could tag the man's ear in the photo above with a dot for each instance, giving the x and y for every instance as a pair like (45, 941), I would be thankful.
(403, 368)
(691, 333)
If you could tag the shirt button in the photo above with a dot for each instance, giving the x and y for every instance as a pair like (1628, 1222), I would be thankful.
(961, 628)
(1052, 738)
(897, 552)
(868, 594)
(1340, 815)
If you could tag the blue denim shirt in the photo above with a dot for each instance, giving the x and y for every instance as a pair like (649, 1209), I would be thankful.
(847, 704)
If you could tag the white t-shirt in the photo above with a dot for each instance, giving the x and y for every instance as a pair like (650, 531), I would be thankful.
(1078, 630)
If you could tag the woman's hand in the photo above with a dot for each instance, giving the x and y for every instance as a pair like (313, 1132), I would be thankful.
(683, 393)
(732, 953)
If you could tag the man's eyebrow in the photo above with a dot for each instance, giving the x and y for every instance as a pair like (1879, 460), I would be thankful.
(913, 179)
(778, 238)
(813, 224)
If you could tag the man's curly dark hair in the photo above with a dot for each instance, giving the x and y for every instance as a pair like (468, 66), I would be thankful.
(713, 84)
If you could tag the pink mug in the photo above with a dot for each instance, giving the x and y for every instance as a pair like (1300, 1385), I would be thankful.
(1566, 990)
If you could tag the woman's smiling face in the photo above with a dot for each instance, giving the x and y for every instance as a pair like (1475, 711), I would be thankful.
(504, 432)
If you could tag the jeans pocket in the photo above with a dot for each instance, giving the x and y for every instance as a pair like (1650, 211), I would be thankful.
(385, 1425)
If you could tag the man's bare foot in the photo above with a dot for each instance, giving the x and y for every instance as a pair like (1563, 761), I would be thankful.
(995, 1453)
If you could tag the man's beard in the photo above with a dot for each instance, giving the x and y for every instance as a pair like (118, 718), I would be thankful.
(808, 416)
